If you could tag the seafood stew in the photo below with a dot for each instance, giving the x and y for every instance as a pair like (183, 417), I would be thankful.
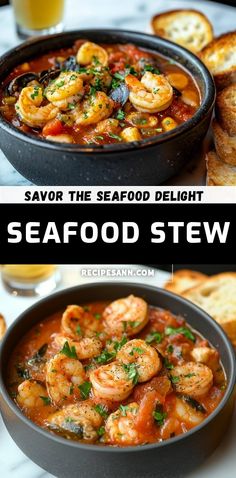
(118, 374)
(99, 94)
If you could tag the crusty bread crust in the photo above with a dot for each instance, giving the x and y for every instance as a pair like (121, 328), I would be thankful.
(218, 172)
(2, 326)
(189, 28)
(225, 145)
(226, 109)
(220, 58)
(184, 279)
(216, 295)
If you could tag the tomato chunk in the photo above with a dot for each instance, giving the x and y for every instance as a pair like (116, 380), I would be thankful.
(53, 127)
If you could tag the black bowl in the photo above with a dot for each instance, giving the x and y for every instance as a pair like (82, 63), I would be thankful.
(172, 458)
(148, 162)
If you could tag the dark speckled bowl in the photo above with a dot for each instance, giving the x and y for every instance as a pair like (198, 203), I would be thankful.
(148, 162)
(173, 458)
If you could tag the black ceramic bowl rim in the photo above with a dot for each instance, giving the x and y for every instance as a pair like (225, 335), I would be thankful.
(198, 117)
(138, 448)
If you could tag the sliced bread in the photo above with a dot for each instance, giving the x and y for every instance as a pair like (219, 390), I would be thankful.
(226, 109)
(189, 28)
(217, 296)
(218, 172)
(220, 58)
(184, 279)
(2, 326)
(225, 144)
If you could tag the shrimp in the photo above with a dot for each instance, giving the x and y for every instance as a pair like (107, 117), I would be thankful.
(76, 322)
(129, 315)
(29, 109)
(111, 381)
(94, 109)
(193, 379)
(120, 426)
(79, 421)
(187, 414)
(66, 90)
(152, 94)
(31, 394)
(110, 125)
(86, 347)
(206, 355)
(92, 54)
(144, 356)
(63, 376)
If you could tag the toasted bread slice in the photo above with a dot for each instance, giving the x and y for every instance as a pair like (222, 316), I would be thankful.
(220, 58)
(216, 295)
(189, 28)
(2, 326)
(218, 172)
(184, 279)
(226, 109)
(225, 145)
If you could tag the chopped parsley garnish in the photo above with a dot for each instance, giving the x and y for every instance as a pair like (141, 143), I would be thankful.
(114, 136)
(117, 345)
(124, 409)
(46, 400)
(85, 389)
(159, 416)
(155, 90)
(174, 379)
(78, 330)
(69, 351)
(101, 431)
(133, 323)
(35, 92)
(95, 61)
(61, 83)
(136, 349)
(154, 337)
(102, 410)
(152, 69)
(105, 357)
(170, 349)
(168, 364)
(71, 389)
(97, 316)
(189, 375)
(118, 76)
(132, 372)
(71, 106)
(180, 330)
(120, 115)
(100, 138)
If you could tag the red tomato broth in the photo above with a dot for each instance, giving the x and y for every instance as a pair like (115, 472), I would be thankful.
(157, 392)
(119, 57)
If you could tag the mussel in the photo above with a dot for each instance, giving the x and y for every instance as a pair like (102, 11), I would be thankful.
(48, 75)
(120, 94)
(70, 64)
(19, 82)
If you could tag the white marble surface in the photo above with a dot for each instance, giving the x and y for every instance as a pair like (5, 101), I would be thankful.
(13, 464)
(131, 14)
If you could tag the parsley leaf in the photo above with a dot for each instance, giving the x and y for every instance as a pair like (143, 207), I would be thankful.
(102, 410)
(180, 330)
(154, 337)
(120, 115)
(101, 431)
(159, 416)
(174, 379)
(124, 409)
(114, 136)
(132, 372)
(46, 400)
(105, 357)
(85, 389)
(69, 351)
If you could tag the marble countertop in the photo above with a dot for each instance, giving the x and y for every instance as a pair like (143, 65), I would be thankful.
(132, 15)
(14, 464)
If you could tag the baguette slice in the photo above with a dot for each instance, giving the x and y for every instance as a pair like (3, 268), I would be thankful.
(218, 172)
(220, 58)
(189, 28)
(184, 279)
(2, 326)
(226, 109)
(217, 296)
(225, 145)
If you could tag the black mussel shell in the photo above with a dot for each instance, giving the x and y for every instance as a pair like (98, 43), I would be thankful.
(48, 75)
(70, 64)
(176, 92)
(19, 82)
(120, 94)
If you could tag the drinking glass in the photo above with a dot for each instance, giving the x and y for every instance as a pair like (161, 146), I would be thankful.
(38, 17)
(30, 279)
